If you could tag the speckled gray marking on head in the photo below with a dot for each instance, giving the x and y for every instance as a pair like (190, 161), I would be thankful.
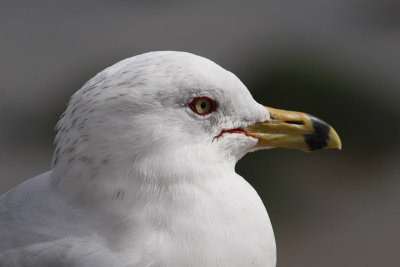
(120, 194)
(73, 111)
(86, 159)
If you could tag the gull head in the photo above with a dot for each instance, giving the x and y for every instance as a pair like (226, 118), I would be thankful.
(169, 113)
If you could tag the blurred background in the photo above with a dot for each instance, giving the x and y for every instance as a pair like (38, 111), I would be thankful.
(337, 59)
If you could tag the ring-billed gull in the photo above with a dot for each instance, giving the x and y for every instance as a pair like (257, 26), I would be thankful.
(143, 172)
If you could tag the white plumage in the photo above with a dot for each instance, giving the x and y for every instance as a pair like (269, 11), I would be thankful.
(139, 179)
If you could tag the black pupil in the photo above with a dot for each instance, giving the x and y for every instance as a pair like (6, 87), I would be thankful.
(203, 105)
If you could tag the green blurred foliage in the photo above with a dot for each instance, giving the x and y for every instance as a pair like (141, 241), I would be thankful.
(366, 124)
(294, 80)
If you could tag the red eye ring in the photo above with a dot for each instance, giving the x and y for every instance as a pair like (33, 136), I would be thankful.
(206, 107)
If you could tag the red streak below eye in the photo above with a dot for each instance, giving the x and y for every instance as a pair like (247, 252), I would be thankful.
(237, 130)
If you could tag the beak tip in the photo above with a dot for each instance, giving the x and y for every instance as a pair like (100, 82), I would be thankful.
(334, 140)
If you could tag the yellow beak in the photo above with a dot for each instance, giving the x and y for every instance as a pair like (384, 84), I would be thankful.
(290, 129)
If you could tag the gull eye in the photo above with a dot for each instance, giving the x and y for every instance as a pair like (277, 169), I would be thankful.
(203, 105)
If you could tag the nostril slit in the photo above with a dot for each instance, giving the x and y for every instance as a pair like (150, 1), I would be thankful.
(295, 122)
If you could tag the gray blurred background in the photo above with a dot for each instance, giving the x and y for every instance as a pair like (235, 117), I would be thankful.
(337, 59)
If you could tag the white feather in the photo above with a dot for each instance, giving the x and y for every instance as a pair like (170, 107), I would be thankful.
(138, 178)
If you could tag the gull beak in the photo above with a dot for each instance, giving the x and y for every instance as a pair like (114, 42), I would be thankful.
(290, 129)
